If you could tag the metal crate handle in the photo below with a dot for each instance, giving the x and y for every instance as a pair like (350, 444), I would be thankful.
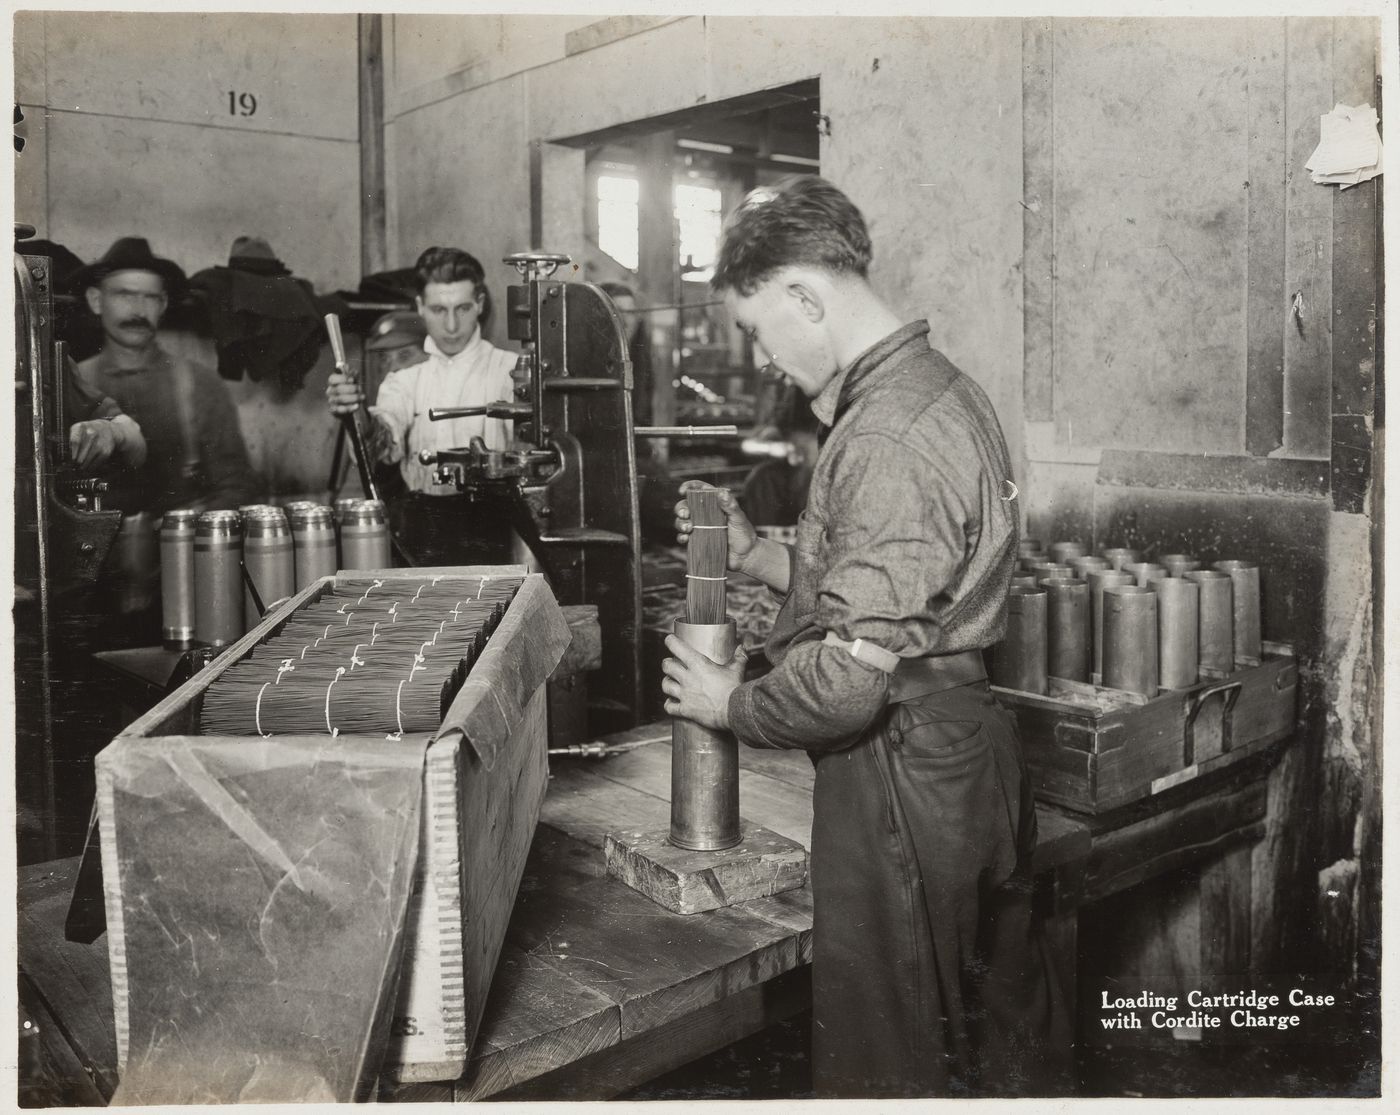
(1231, 689)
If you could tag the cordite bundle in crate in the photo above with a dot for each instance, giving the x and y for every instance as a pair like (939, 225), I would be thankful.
(311, 850)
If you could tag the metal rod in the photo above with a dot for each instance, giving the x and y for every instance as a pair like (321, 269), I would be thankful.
(502, 409)
(349, 421)
(686, 431)
(582, 383)
(27, 301)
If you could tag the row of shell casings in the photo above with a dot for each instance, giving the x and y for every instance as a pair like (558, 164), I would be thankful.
(1141, 627)
(204, 598)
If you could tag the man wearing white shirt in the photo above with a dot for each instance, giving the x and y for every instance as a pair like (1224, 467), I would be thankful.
(461, 368)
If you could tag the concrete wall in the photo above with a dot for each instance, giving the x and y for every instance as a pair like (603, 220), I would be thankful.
(130, 133)
(137, 136)
(928, 144)
(1174, 401)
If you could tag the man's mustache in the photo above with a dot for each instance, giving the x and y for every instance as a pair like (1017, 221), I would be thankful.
(132, 322)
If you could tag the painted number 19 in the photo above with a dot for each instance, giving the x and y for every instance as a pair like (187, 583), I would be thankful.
(241, 104)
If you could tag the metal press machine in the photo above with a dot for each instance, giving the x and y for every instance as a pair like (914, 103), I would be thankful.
(568, 484)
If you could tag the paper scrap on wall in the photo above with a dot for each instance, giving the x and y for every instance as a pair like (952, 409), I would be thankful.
(1350, 148)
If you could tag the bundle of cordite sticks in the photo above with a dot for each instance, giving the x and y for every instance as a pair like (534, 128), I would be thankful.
(369, 657)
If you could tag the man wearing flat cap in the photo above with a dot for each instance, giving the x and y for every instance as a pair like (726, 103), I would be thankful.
(397, 339)
(195, 453)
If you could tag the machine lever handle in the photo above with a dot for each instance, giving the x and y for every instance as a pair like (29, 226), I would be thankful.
(686, 431)
(348, 421)
(501, 409)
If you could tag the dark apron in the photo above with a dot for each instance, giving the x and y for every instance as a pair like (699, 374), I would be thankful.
(930, 977)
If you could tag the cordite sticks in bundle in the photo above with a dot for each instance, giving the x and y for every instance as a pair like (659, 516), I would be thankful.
(370, 657)
(706, 557)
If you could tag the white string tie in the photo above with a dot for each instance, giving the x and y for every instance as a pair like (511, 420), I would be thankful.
(257, 714)
(339, 670)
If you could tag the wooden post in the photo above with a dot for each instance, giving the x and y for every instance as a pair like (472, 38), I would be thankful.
(373, 232)
(658, 270)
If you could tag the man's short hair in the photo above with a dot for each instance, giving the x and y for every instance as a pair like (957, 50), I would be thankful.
(801, 221)
(452, 265)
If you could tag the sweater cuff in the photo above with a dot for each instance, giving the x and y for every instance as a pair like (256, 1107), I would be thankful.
(742, 720)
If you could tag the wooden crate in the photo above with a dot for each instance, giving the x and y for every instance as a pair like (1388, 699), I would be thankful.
(484, 779)
(1093, 749)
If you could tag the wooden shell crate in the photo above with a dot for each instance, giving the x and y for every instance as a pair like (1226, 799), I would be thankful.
(1093, 749)
(484, 776)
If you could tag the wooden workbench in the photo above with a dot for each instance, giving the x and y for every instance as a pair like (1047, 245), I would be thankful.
(599, 989)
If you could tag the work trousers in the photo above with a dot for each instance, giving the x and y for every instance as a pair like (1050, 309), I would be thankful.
(930, 977)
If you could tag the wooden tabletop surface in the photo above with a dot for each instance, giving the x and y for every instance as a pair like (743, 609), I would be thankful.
(588, 964)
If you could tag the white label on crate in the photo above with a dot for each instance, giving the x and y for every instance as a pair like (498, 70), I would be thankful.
(429, 1022)
(1167, 781)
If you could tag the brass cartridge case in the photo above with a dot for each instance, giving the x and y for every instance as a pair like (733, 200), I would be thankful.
(1217, 619)
(1178, 619)
(177, 578)
(1179, 564)
(1244, 577)
(1019, 660)
(1120, 556)
(705, 762)
(1067, 622)
(1130, 639)
(1098, 580)
(218, 578)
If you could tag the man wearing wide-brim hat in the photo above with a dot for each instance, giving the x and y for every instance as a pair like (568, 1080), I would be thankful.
(195, 452)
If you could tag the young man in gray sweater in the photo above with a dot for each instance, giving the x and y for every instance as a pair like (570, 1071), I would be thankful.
(929, 976)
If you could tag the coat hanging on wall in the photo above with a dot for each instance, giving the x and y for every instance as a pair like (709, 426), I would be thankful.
(266, 323)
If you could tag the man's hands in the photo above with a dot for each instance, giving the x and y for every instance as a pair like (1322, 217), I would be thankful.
(343, 394)
(92, 443)
(742, 536)
(698, 689)
(760, 558)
